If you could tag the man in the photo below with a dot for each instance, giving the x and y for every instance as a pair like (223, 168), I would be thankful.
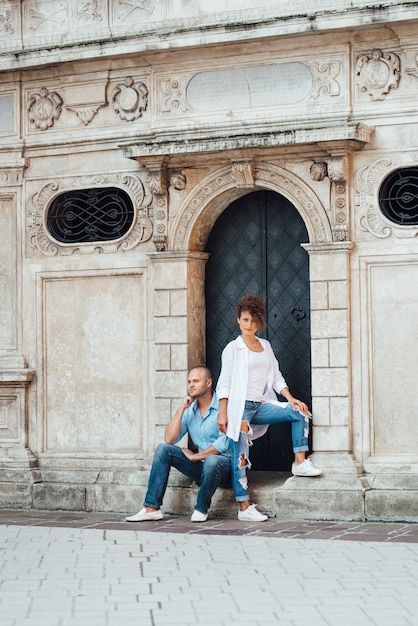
(209, 467)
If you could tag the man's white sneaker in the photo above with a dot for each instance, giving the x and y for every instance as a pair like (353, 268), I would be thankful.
(145, 516)
(305, 469)
(251, 515)
(197, 516)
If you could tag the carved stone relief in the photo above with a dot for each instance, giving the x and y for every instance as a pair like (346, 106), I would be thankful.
(336, 170)
(8, 23)
(173, 93)
(86, 98)
(253, 86)
(318, 170)
(11, 176)
(45, 17)
(243, 172)
(125, 8)
(89, 10)
(369, 218)
(44, 108)
(324, 75)
(411, 63)
(157, 181)
(377, 73)
(129, 99)
(39, 240)
(192, 227)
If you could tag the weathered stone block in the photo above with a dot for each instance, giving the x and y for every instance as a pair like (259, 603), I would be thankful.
(15, 495)
(52, 497)
(387, 505)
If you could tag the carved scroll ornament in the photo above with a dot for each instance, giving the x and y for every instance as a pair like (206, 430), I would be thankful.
(41, 241)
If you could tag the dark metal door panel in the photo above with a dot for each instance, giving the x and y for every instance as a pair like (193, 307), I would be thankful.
(255, 248)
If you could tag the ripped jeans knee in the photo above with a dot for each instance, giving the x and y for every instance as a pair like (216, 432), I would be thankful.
(244, 445)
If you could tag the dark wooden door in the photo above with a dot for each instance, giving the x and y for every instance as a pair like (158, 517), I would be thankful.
(255, 248)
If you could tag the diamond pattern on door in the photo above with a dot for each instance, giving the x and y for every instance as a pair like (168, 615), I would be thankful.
(255, 248)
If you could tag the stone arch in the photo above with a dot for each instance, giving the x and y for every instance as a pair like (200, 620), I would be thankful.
(210, 197)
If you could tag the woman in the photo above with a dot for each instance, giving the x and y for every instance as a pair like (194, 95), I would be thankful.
(246, 388)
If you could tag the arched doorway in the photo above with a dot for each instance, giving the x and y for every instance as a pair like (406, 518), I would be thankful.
(255, 247)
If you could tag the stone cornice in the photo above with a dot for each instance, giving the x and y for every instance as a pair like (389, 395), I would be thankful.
(345, 137)
(119, 37)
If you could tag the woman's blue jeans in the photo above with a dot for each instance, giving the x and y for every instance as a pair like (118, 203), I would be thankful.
(212, 472)
(261, 414)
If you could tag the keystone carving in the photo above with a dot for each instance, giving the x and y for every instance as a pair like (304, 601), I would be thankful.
(377, 74)
(44, 108)
(243, 172)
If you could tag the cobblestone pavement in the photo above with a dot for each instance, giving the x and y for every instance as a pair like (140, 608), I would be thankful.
(95, 569)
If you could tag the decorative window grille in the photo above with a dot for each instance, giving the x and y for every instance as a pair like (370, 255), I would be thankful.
(90, 215)
(398, 196)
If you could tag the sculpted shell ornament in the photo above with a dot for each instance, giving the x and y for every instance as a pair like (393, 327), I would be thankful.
(44, 108)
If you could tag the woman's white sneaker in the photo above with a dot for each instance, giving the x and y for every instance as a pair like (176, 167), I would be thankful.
(306, 468)
(251, 515)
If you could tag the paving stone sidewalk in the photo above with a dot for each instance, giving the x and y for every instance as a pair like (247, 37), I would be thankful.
(94, 569)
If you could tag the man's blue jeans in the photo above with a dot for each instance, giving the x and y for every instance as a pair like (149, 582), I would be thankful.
(212, 472)
(263, 413)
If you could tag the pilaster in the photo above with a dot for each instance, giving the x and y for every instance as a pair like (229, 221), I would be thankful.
(330, 332)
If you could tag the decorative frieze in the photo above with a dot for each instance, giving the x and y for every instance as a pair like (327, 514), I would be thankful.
(354, 135)
(377, 73)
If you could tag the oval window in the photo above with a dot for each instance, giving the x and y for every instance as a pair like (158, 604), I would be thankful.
(89, 215)
(398, 196)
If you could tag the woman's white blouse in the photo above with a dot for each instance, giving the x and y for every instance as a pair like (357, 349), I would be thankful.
(233, 383)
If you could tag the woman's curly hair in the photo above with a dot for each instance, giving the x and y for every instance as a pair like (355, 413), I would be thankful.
(255, 305)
